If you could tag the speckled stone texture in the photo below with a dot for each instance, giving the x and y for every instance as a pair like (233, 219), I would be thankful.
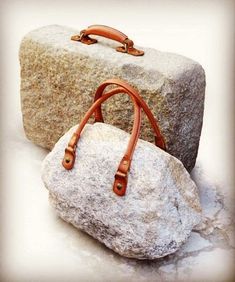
(59, 77)
(152, 220)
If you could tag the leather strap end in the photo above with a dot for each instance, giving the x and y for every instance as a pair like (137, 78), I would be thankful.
(98, 117)
(120, 183)
(159, 142)
(88, 40)
(84, 39)
(69, 158)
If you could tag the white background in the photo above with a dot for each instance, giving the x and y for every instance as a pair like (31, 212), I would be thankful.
(36, 245)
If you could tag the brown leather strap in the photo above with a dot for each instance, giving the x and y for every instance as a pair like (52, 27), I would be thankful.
(120, 183)
(110, 33)
(159, 140)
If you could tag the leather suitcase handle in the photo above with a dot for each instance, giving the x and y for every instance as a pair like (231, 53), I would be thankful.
(110, 33)
(120, 183)
(159, 140)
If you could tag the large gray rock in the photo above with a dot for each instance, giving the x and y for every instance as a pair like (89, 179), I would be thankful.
(59, 77)
(153, 219)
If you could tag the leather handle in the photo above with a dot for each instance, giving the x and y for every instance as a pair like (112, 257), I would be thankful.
(159, 140)
(110, 33)
(120, 182)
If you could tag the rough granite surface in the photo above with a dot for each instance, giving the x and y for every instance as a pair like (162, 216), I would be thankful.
(59, 77)
(153, 219)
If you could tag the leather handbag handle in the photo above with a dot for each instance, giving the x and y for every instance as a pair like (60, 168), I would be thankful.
(159, 140)
(120, 182)
(121, 175)
(111, 33)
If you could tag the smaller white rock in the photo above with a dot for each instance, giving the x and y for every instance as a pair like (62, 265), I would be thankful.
(152, 220)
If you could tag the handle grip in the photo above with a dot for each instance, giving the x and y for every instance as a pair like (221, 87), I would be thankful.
(110, 33)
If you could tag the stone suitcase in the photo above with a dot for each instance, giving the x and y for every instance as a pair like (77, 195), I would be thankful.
(59, 76)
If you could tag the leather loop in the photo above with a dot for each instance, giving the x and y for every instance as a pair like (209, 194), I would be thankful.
(110, 33)
(159, 140)
(69, 157)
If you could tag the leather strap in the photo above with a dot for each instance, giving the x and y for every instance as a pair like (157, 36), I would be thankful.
(120, 183)
(159, 140)
(110, 33)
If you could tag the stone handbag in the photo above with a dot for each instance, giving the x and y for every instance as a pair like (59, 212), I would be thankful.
(140, 201)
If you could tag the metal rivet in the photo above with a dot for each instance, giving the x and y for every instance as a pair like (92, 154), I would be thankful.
(119, 186)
